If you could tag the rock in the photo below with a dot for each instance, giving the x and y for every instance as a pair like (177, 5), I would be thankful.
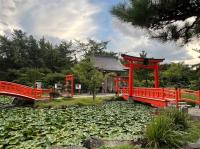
(93, 143)
(22, 102)
(68, 147)
(193, 145)
(113, 143)
(194, 113)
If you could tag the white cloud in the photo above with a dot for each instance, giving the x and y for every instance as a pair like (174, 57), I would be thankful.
(133, 40)
(75, 19)
(64, 19)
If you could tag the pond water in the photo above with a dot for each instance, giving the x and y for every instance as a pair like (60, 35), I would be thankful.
(40, 128)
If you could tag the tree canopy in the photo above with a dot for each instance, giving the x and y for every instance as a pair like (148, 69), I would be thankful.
(89, 75)
(177, 20)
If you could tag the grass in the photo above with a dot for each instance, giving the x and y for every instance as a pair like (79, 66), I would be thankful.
(172, 129)
(64, 102)
(160, 133)
(193, 133)
(189, 96)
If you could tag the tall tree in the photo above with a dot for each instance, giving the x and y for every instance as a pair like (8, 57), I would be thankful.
(92, 47)
(165, 19)
(66, 55)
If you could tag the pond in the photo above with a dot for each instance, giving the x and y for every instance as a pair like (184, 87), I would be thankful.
(40, 128)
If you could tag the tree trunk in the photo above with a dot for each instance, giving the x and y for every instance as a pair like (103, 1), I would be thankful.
(93, 95)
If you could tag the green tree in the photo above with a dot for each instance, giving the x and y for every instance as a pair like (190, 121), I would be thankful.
(66, 55)
(143, 77)
(92, 47)
(162, 17)
(177, 75)
(89, 75)
(20, 52)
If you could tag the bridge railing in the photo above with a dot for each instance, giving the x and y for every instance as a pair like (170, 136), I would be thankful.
(190, 95)
(167, 94)
(10, 88)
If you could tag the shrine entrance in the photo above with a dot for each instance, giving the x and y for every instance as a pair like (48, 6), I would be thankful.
(133, 63)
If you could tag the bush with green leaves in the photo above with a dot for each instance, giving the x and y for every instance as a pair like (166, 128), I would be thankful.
(160, 133)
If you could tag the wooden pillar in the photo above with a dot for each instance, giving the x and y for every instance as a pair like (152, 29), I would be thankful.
(156, 77)
(72, 86)
(130, 80)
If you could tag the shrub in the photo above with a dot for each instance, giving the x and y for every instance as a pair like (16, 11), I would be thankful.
(180, 119)
(160, 133)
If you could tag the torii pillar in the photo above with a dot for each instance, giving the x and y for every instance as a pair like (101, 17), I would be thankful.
(130, 79)
(156, 76)
(133, 62)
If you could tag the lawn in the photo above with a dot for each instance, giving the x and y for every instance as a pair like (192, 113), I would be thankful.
(64, 102)
(190, 96)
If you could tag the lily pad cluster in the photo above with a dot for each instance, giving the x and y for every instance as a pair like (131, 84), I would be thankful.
(41, 128)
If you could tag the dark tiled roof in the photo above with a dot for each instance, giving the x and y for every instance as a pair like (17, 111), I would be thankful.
(107, 63)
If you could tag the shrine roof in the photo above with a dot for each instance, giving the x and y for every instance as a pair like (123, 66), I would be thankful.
(139, 59)
(108, 63)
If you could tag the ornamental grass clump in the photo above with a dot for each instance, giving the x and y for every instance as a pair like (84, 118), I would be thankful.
(180, 119)
(160, 133)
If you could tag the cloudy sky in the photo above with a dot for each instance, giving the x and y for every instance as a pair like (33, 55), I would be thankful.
(82, 19)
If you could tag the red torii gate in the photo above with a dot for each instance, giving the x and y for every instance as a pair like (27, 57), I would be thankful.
(133, 62)
(70, 83)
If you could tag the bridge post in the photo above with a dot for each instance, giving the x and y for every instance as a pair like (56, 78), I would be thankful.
(156, 77)
(177, 96)
(163, 94)
(199, 97)
(130, 80)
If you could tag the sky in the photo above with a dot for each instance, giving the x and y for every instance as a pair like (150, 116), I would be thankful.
(59, 20)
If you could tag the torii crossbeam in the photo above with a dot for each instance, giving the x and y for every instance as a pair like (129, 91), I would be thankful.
(133, 62)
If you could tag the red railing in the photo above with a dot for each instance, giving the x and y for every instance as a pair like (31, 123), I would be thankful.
(190, 95)
(14, 89)
(166, 94)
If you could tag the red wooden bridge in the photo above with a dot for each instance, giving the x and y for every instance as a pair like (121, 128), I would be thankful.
(22, 91)
(161, 97)
(157, 97)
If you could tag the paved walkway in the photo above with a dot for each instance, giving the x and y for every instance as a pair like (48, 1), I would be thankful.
(98, 95)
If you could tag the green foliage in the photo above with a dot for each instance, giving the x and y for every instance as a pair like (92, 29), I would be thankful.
(171, 129)
(52, 78)
(63, 103)
(179, 75)
(160, 17)
(28, 76)
(92, 47)
(176, 73)
(23, 58)
(160, 133)
(5, 100)
(179, 118)
(193, 133)
(42, 128)
(89, 75)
